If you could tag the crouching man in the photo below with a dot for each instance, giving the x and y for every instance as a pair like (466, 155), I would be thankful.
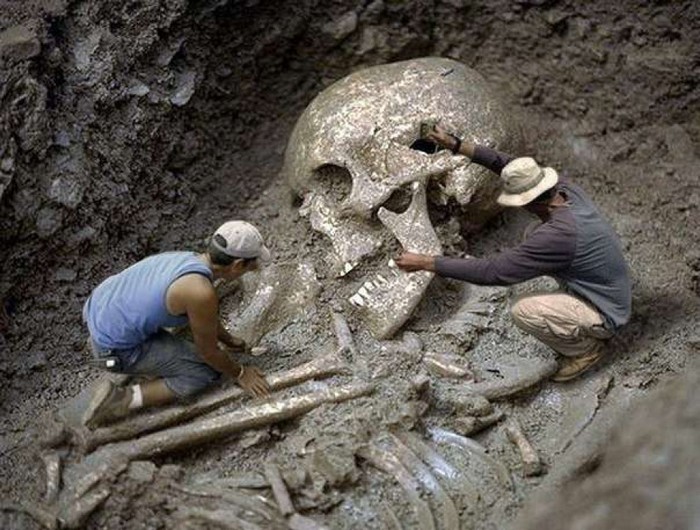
(572, 243)
(127, 313)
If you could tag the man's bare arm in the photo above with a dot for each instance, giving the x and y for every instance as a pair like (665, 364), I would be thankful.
(234, 343)
(202, 306)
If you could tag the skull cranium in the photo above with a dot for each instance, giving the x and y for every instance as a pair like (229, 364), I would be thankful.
(354, 153)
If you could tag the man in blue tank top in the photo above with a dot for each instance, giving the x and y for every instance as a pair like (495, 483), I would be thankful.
(127, 315)
(573, 243)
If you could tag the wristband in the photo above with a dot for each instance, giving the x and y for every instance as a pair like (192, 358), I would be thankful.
(458, 144)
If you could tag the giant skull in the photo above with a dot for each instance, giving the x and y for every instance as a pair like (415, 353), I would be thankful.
(354, 159)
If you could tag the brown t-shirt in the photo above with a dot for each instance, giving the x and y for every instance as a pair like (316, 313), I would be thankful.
(576, 246)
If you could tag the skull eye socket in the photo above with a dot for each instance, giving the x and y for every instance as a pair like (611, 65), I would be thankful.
(335, 181)
(399, 200)
(425, 146)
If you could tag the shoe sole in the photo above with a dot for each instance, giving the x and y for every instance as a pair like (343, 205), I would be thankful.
(563, 379)
(98, 398)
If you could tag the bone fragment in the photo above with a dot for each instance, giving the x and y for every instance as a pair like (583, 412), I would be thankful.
(537, 370)
(446, 366)
(77, 512)
(343, 333)
(52, 463)
(160, 419)
(531, 461)
(475, 449)
(440, 466)
(468, 425)
(390, 464)
(254, 504)
(257, 351)
(448, 511)
(279, 489)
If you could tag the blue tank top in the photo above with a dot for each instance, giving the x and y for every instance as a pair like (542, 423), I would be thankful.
(127, 308)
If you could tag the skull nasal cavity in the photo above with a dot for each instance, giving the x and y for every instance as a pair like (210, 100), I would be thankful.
(399, 200)
(334, 181)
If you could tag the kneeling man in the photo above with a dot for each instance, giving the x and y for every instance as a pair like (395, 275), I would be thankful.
(127, 315)
(572, 243)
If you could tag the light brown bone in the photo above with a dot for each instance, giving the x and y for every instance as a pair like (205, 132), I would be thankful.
(153, 421)
(284, 501)
(468, 425)
(444, 365)
(531, 461)
(279, 489)
(113, 458)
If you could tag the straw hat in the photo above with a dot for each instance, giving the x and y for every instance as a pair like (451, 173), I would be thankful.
(523, 180)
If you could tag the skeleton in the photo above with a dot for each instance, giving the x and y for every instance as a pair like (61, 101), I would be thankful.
(531, 461)
(350, 157)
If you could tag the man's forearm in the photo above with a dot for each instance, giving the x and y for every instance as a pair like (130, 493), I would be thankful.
(222, 363)
(229, 340)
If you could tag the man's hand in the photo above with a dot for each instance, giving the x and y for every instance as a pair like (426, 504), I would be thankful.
(410, 262)
(440, 136)
(252, 380)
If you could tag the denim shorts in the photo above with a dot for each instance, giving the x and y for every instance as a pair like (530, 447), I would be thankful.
(170, 358)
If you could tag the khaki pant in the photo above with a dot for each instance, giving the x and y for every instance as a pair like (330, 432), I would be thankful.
(563, 322)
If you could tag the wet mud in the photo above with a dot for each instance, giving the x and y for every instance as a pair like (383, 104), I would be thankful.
(129, 128)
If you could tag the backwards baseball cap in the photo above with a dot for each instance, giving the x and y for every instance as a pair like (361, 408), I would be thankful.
(239, 239)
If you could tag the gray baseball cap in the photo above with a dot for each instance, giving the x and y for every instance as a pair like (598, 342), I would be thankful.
(239, 239)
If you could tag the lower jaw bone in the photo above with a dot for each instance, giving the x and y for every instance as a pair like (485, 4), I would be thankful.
(387, 302)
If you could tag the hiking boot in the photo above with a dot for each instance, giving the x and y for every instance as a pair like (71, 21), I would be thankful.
(571, 367)
(109, 403)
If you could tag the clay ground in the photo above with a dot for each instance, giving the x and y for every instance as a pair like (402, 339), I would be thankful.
(131, 128)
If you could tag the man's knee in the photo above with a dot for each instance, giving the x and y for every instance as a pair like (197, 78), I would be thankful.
(524, 312)
(188, 387)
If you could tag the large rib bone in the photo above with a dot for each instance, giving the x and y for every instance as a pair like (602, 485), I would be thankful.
(390, 464)
(389, 303)
(450, 517)
(113, 458)
(446, 365)
(474, 448)
(524, 377)
(156, 420)
(440, 466)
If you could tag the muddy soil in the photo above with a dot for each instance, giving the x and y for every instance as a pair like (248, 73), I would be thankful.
(129, 128)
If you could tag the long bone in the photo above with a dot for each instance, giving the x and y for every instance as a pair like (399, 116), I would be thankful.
(446, 365)
(52, 463)
(474, 448)
(390, 464)
(153, 421)
(391, 303)
(531, 461)
(450, 517)
(343, 333)
(534, 372)
(113, 458)
(252, 504)
(440, 466)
